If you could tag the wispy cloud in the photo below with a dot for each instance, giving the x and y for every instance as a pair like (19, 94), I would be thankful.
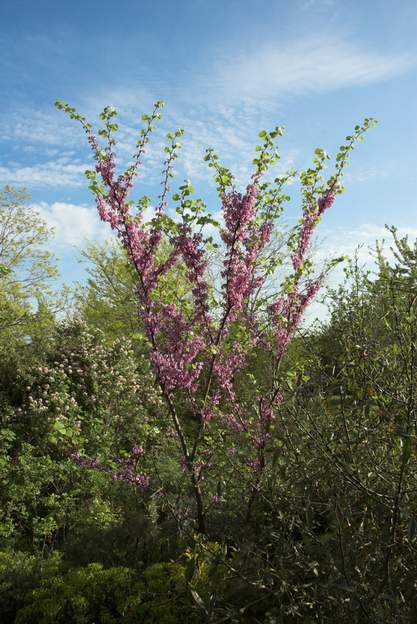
(316, 65)
(233, 134)
(365, 173)
(360, 240)
(37, 127)
(225, 112)
(52, 174)
(231, 131)
(317, 5)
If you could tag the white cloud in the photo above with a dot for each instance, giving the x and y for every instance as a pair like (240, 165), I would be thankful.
(73, 224)
(38, 127)
(365, 173)
(359, 242)
(317, 5)
(225, 112)
(316, 65)
(231, 131)
(76, 224)
(56, 173)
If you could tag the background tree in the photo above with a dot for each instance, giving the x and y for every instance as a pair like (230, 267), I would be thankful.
(26, 266)
(27, 271)
(357, 416)
(108, 299)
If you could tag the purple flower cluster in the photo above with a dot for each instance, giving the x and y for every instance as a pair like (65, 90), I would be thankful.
(239, 212)
(127, 471)
(86, 461)
(311, 215)
(287, 311)
(127, 474)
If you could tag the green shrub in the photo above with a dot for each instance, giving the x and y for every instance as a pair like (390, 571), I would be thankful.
(83, 596)
(20, 573)
(94, 594)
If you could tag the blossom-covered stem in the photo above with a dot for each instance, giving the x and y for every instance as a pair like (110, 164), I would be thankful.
(239, 212)
(294, 306)
(142, 143)
(232, 243)
(167, 173)
(189, 458)
(220, 331)
(176, 422)
(122, 227)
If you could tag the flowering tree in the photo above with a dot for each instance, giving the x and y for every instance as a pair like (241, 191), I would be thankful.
(200, 347)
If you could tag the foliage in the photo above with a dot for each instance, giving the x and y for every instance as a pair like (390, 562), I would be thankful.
(108, 299)
(26, 266)
(84, 595)
(358, 415)
(28, 303)
(46, 593)
(19, 573)
(76, 399)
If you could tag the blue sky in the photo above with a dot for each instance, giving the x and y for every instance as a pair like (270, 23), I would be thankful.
(226, 70)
